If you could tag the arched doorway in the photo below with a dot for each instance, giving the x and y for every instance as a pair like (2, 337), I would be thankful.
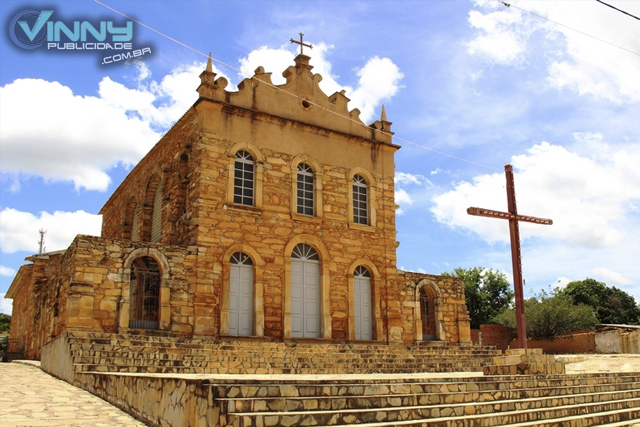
(145, 293)
(305, 292)
(427, 313)
(241, 280)
(362, 303)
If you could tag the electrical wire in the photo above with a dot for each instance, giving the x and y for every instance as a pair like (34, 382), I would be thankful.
(570, 28)
(619, 10)
(360, 123)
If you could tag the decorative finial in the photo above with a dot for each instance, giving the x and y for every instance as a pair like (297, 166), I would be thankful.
(209, 64)
(383, 116)
(301, 43)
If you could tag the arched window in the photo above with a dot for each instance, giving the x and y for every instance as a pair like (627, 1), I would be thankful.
(305, 190)
(305, 292)
(145, 293)
(362, 295)
(427, 313)
(244, 179)
(129, 212)
(241, 289)
(360, 200)
(135, 225)
(156, 216)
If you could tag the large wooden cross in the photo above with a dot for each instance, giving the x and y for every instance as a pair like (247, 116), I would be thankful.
(301, 43)
(516, 261)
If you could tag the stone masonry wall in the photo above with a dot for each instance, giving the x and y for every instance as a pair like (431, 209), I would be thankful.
(168, 165)
(451, 311)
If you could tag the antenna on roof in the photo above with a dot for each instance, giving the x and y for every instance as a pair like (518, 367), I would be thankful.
(41, 241)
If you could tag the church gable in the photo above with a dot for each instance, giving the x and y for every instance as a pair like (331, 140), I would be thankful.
(300, 99)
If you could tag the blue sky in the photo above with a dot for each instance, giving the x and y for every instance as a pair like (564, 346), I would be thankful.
(478, 81)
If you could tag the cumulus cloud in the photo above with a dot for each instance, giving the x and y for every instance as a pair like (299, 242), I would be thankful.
(496, 41)
(409, 188)
(588, 197)
(6, 271)
(19, 230)
(609, 276)
(586, 64)
(71, 138)
(6, 306)
(378, 80)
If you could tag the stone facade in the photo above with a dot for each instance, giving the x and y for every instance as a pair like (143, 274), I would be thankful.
(258, 175)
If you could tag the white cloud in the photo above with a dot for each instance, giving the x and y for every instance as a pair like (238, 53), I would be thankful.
(19, 230)
(71, 138)
(378, 80)
(6, 271)
(609, 276)
(498, 42)
(415, 183)
(586, 64)
(588, 198)
(592, 194)
(6, 306)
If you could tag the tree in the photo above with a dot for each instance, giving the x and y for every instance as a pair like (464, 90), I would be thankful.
(487, 293)
(610, 305)
(551, 315)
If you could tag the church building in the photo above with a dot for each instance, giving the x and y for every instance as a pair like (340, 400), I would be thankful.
(265, 213)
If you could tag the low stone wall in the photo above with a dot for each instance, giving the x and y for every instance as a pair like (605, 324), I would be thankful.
(157, 401)
(605, 342)
(569, 344)
(494, 335)
(56, 359)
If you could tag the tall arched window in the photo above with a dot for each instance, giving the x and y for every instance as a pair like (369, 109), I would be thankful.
(360, 200)
(129, 215)
(362, 296)
(305, 292)
(305, 190)
(244, 179)
(145, 293)
(427, 313)
(156, 216)
(241, 289)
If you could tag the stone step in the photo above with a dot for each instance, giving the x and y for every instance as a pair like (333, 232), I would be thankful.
(216, 360)
(320, 386)
(279, 349)
(336, 402)
(199, 368)
(470, 414)
(627, 418)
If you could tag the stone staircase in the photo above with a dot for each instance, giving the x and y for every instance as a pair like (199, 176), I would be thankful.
(560, 400)
(366, 384)
(92, 352)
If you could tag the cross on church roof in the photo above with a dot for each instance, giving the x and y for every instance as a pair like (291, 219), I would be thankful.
(301, 43)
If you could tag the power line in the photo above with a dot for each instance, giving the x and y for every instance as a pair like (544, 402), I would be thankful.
(619, 10)
(292, 94)
(568, 27)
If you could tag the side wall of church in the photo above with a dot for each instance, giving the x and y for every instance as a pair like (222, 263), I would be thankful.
(88, 288)
(128, 214)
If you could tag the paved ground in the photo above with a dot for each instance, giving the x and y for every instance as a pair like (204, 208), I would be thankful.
(30, 397)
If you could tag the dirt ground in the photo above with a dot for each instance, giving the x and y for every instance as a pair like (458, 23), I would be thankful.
(578, 363)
